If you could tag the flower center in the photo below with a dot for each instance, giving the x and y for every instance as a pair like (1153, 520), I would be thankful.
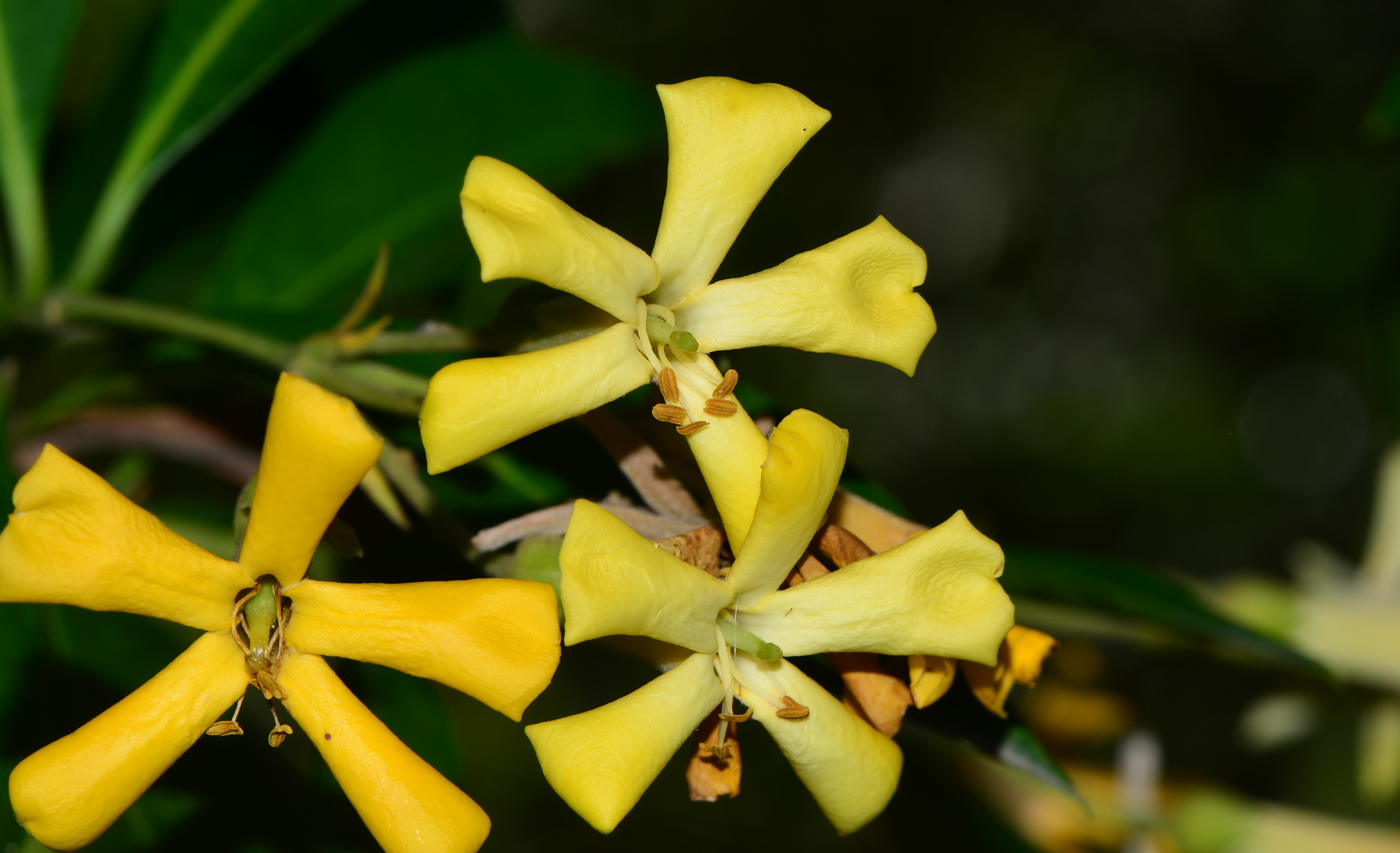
(258, 625)
(734, 639)
(674, 356)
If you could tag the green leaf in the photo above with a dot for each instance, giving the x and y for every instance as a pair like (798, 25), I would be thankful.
(1382, 122)
(387, 164)
(19, 624)
(210, 55)
(120, 649)
(34, 38)
(149, 819)
(1129, 592)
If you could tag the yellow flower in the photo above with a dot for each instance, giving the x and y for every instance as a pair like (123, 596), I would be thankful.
(936, 594)
(1019, 660)
(729, 141)
(73, 539)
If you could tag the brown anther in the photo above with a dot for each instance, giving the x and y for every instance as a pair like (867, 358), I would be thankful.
(721, 408)
(670, 388)
(726, 385)
(737, 718)
(224, 727)
(668, 414)
(714, 768)
(692, 427)
(278, 734)
(791, 710)
(264, 681)
(718, 750)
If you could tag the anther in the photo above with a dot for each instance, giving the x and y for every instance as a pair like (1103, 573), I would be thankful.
(279, 734)
(229, 726)
(721, 408)
(692, 427)
(668, 414)
(718, 750)
(670, 389)
(791, 710)
(737, 718)
(726, 385)
(263, 680)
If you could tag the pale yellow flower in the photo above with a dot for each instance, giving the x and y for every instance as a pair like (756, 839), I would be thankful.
(729, 141)
(73, 539)
(936, 594)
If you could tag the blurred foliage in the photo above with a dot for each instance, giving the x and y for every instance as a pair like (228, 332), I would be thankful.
(1161, 245)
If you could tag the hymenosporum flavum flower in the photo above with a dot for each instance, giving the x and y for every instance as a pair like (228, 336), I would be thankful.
(936, 594)
(729, 141)
(73, 539)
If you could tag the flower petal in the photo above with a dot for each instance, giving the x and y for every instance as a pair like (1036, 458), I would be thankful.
(729, 141)
(405, 803)
(851, 769)
(936, 594)
(317, 451)
(805, 455)
(73, 539)
(602, 761)
(730, 453)
(495, 639)
(521, 230)
(69, 792)
(930, 677)
(476, 406)
(854, 296)
(615, 582)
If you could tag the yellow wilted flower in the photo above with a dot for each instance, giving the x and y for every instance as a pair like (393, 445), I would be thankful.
(935, 594)
(73, 539)
(729, 141)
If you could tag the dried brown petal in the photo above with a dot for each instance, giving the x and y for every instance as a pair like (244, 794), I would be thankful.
(224, 727)
(670, 389)
(698, 547)
(692, 427)
(811, 568)
(668, 414)
(841, 546)
(710, 775)
(726, 385)
(874, 694)
(876, 526)
(721, 408)
(278, 734)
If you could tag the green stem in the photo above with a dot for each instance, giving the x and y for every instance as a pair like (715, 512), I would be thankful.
(393, 343)
(24, 201)
(69, 305)
(137, 169)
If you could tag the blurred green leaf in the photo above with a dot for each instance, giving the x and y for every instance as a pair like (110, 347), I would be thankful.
(121, 649)
(1021, 749)
(19, 630)
(34, 38)
(1137, 593)
(387, 164)
(1382, 122)
(149, 819)
(209, 56)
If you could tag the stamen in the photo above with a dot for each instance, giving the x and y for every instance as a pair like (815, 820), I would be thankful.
(668, 414)
(727, 385)
(229, 726)
(263, 680)
(791, 710)
(280, 730)
(643, 343)
(718, 750)
(670, 390)
(692, 427)
(737, 718)
(721, 408)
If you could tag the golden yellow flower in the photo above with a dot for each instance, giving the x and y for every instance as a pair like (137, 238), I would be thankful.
(935, 594)
(729, 141)
(73, 539)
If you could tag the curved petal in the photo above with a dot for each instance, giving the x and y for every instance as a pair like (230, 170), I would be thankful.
(495, 639)
(806, 453)
(476, 406)
(851, 769)
(521, 230)
(854, 296)
(936, 594)
(615, 582)
(930, 677)
(729, 141)
(69, 792)
(730, 453)
(73, 539)
(602, 761)
(405, 803)
(317, 451)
